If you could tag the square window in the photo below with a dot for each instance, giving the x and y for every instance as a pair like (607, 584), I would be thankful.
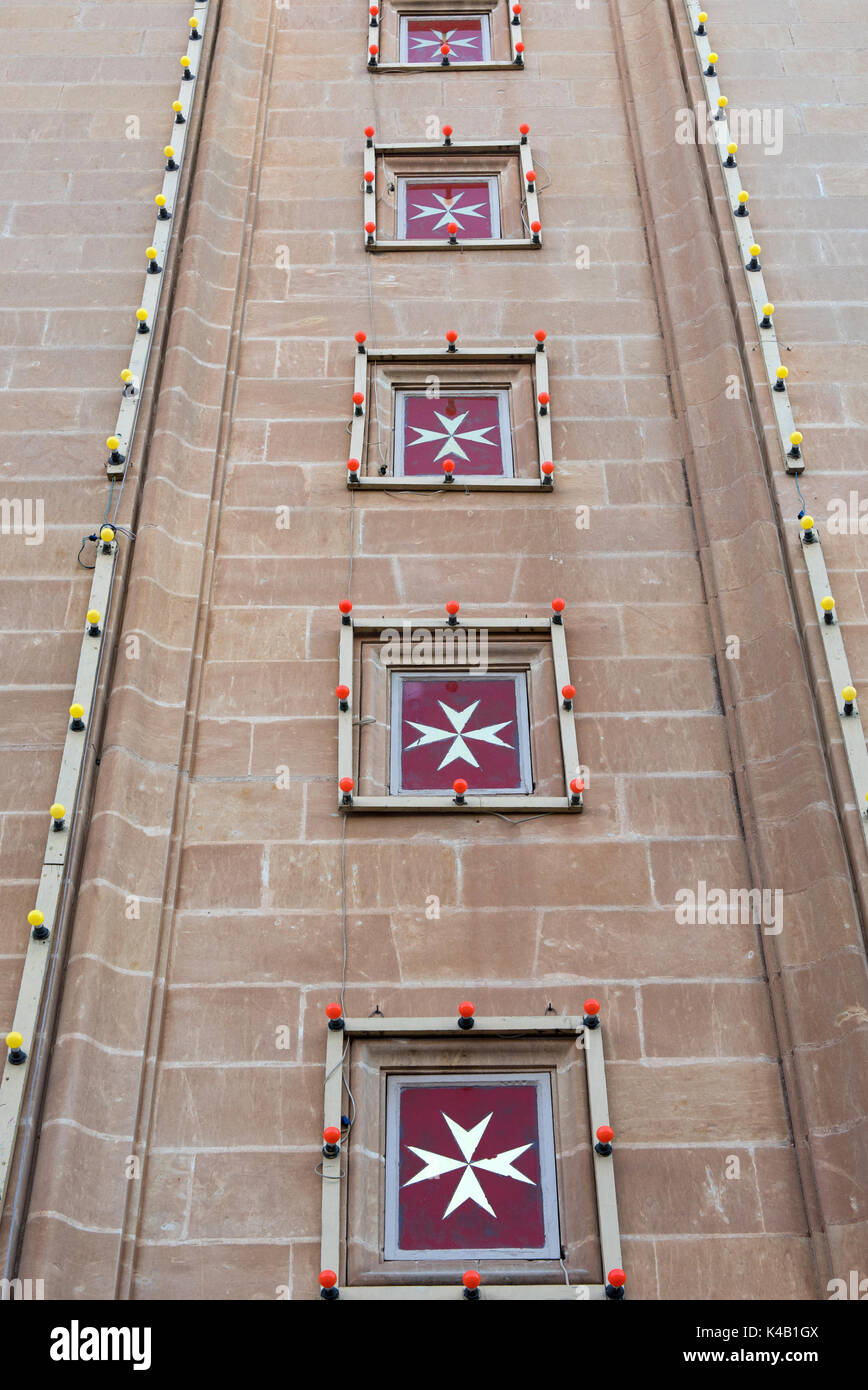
(472, 429)
(468, 37)
(470, 1168)
(449, 725)
(427, 208)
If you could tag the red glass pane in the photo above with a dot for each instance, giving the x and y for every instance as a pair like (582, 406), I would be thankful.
(432, 205)
(465, 429)
(469, 1168)
(464, 727)
(425, 37)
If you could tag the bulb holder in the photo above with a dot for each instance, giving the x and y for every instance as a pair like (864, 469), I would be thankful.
(558, 619)
(347, 799)
(343, 705)
(143, 327)
(154, 267)
(566, 704)
(519, 60)
(194, 34)
(336, 1024)
(331, 1150)
(444, 61)
(465, 1024)
(449, 479)
(452, 347)
(753, 264)
(848, 707)
(591, 1020)
(163, 215)
(180, 118)
(186, 75)
(117, 457)
(829, 618)
(543, 410)
(603, 1148)
(40, 933)
(795, 452)
(711, 70)
(59, 823)
(452, 619)
(809, 537)
(765, 321)
(576, 799)
(77, 724)
(447, 139)
(372, 60)
(330, 1295)
(94, 630)
(535, 239)
(172, 165)
(612, 1292)
(473, 1294)
(741, 209)
(548, 480)
(729, 162)
(701, 30)
(16, 1056)
(359, 410)
(453, 239)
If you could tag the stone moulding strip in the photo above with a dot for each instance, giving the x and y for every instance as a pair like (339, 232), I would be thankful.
(333, 1207)
(57, 865)
(502, 627)
(514, 63)
(852, 730)
(140, 352)
(431, 357)
(745, 237)
(529, 196)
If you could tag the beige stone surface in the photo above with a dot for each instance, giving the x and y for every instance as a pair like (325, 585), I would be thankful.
(192, 1034)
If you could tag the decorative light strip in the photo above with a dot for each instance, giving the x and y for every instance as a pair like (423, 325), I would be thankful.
(852, 730)
(43, 918)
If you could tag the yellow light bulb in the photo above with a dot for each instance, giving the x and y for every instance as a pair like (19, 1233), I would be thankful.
(732, 147)
(743, 196)
(160, 200)
(141, 315)
(755, 250)
(126, 376)
(807, 523)
(827, 603)
(722, 102)
(796, 438)
(178, 106)
(712, 57)
(76, 711)
(193, 22)
(151, 253)
(14, 1040)
(93, 615)
(702, 17)
(169, 151)
(768, 310)
(113, 442)
(848, 694)
(58, 811)
(35, 917)
(782, 373)
(107, 535)
(185, 61)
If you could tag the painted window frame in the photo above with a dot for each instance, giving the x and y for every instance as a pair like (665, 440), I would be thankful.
(405, 181)
(405, 17)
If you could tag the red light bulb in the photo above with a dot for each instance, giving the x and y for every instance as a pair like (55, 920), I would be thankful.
(459, 786)
(358, 397)
(536, 226)
(346, 784)
(558, 604)
(452, 607)
(447, 129)
(370, 228)
(519, 48)
(448, 466)
(524, 128)
(592, 1007)
(471, 1279)
(452, 336)
(466, 1010)
(577, 786)
(345, 606)
(328, 1278)
(353, 465)
(331, 1134)
(369, 176)
(568, 692)
(373, 50)
(374, 10)
(605, 1134)
(445, 49)
(543, 397)
(617, 1278)
(516, 9)
(361, 337)
(333, 1011)
(530, 176)
(342, 692)
(452, 228)
(540, 335)
(369, 129)
(547, 468)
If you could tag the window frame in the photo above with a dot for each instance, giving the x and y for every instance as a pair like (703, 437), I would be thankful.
(541, 1081)
(519, 680)
(500, 394)
(406, 16)
(376, 153)
(366, 360)
(407, 9)
(405, 181)
(405, 803)
(333, 1242)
